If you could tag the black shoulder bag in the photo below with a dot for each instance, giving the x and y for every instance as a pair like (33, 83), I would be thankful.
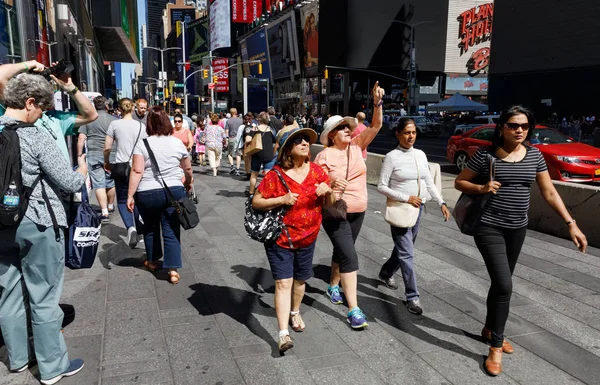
(470, 207)
(185, 207)
(120, 171)
(266, 226)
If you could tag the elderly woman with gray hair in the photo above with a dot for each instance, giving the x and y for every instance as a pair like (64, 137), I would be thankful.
(32, 262)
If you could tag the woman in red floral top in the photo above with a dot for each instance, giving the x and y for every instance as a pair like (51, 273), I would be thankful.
(291, 258)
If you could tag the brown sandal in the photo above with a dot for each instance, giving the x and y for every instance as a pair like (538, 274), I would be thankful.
(152, 266)
(173, 277)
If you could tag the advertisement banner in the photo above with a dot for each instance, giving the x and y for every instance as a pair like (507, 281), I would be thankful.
(310, 27)
(283, 47)
(245, 11)
(468, 37)
(220, 24)
(197, 36)
(223, 77)
(255, 48)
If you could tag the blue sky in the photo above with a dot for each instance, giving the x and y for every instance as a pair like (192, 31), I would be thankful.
(126, 68)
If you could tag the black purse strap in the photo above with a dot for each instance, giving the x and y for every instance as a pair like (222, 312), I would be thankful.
(135, 143)
(284, 210)
(155, 164)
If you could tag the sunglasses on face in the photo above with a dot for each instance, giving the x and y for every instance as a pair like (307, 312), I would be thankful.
(514, 126)
(178, 121)
(299, 139)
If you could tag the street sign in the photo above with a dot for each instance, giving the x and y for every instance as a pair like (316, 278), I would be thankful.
(178, 85)
(211, 86)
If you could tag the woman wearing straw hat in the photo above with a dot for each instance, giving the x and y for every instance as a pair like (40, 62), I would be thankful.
(342, 160)
(304, 193)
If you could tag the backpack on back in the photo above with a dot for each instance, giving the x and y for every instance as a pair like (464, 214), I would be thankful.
(14, 196)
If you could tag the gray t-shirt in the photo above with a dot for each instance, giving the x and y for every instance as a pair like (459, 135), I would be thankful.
(125, 132)
(232, 125)
(96, 133)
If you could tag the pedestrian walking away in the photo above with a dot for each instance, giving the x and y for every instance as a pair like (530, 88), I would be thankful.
(92, 136)
(33, 250)
(199, 139)
(265, 158)
(342, 161)
(403, 173)
(147, 189)
(232, 126)
(126, 133)
(290, 257)
(515, 166)
(214, 136)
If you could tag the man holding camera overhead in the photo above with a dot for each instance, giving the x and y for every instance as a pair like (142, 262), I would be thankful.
(58, 123)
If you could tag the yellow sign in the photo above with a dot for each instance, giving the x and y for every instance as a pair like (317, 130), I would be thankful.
(178, 28)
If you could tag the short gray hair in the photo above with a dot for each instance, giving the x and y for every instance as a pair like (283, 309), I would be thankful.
(25, 86)
(271, 110)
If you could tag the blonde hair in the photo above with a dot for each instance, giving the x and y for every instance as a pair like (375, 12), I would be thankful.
(126, 105)
(233, 111)
(263, 118)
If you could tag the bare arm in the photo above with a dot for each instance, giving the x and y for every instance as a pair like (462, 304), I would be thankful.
(186, 165)
(555, 201)
(108, 143)
(87, 112)
(367, 136)
(190, 141)
(81, 143)
(137, 171)
(463, 184)
(262, 204)
(7, 71)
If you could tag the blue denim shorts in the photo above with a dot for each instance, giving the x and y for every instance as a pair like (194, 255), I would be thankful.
(256, 163)
(290, 263)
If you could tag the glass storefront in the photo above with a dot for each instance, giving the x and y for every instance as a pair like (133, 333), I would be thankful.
(10, 48)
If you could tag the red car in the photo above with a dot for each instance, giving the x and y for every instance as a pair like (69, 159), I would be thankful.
(567, 161)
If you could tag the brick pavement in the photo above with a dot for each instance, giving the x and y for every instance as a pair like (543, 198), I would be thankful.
(217, 326)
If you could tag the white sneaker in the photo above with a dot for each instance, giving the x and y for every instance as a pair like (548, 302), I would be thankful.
(132, 237)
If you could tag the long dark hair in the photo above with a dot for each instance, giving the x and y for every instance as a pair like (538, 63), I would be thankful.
(498, 140)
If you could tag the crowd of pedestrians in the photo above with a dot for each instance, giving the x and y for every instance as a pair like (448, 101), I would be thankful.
(142, 162)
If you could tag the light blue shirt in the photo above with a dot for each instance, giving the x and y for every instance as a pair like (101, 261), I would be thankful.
(59, 124)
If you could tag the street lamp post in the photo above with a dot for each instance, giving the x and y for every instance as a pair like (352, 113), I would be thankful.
(162, 66)
(412, 77)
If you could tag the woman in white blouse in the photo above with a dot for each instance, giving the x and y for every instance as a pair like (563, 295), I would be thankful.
(400, 181)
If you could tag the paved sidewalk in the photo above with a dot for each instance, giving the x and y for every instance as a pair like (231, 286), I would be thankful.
(217, 326)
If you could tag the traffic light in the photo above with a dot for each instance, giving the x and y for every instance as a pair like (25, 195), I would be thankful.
(215, 79)
(326, 73)
(204, 74)
(166, 93)
(260, 68)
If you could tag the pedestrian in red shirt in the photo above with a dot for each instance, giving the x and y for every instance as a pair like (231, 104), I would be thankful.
(291, 257)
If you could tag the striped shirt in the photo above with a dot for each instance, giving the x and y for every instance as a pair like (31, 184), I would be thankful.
(508, 207)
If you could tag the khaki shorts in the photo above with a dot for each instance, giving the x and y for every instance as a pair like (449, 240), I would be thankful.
(214, 156)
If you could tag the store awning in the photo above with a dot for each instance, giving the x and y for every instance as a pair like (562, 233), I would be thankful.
(115, 45)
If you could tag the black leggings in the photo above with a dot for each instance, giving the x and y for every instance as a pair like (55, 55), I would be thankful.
(343, 234)
(500, 249)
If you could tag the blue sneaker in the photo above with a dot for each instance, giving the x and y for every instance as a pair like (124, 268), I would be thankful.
(75, 367)
(333, 292)
(357, 319)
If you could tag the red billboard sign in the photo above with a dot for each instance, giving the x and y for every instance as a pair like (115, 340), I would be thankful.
(223, 75)
(245, 11)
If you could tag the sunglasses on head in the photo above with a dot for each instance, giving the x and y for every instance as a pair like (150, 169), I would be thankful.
(514, 126)
(298, 139)
(178, 121)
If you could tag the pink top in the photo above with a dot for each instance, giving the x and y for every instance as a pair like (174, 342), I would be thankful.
(334, 161)
(357, 131)
(182, 135)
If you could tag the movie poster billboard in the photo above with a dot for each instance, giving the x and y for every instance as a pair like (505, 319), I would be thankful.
(468, 37)
(254, 47)
(283, 47)
(220, 24)
(245, 11)
(197, 36)
(219, 66)
(310, 28)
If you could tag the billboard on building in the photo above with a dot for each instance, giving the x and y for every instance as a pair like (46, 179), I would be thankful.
(310, 28)
(197, 36)
(187, 15)
(245, 11)
(468, 36)
(254, 47)
(220, 24)
(283, 47)
(223, 77)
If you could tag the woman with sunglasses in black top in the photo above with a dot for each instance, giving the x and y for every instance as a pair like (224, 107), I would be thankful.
(503, 227)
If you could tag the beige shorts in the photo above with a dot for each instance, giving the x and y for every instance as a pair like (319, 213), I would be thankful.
(214, 156)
